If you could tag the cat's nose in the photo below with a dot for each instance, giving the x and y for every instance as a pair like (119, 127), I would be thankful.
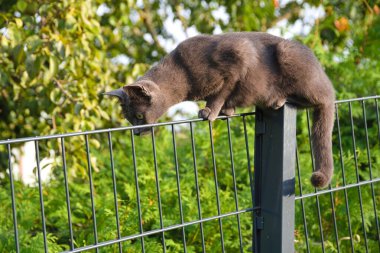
(141, 131)
(136, 131)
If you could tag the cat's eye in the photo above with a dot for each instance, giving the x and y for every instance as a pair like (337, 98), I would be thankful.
(139, 116)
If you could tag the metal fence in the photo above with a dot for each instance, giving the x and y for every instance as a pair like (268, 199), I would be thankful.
(344, 217)
(190, 187)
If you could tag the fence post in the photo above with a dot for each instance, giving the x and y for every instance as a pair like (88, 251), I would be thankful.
(275, 146)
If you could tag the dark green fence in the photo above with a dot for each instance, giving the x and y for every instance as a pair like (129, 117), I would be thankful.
(190, 187)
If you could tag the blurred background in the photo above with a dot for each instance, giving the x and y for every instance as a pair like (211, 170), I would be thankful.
(57, 57)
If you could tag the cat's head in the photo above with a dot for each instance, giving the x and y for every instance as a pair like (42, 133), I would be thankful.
(141, 103)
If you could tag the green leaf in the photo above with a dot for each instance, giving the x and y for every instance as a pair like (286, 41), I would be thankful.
(87, 103)
(33, 43)
(53, 65)
(77, 108)
(18, 22)
(15, 34)
(19, 54)
(51, 71)
(33, 66)
(21, 5)
(56, 96)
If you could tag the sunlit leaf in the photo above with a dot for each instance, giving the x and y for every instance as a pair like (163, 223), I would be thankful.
(18, 22)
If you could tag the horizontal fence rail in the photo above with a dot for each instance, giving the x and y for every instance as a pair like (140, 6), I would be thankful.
(117, 129)
(190, 186)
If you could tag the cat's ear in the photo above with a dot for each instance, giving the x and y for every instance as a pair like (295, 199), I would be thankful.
(138, 92)
(120, 94)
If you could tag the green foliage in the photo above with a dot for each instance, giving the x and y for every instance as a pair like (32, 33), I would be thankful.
(346, 42)
(57, 57)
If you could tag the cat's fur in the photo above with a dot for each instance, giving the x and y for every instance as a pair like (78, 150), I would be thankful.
(238, 69)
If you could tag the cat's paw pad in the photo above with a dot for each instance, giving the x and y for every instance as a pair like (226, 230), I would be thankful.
(204, 113)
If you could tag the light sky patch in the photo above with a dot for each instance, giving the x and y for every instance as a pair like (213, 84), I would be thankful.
(102, 9)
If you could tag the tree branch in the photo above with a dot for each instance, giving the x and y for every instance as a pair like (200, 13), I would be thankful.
(146, 17)
(68, 95)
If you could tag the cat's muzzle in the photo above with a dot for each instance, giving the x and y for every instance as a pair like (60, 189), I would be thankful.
(142, 131)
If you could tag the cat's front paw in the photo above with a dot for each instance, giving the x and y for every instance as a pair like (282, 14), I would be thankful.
(204, 113)
(207, 113)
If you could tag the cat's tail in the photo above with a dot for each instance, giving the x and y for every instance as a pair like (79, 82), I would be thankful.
(307, 79)
(323, 122)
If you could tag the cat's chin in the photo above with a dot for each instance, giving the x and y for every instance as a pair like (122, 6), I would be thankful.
(142, 131)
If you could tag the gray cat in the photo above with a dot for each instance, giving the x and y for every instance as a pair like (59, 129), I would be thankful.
(238, 69)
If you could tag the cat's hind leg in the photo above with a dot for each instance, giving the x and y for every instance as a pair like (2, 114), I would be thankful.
(278, 103)
(227, 111)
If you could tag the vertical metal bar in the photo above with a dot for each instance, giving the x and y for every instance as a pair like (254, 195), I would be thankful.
(91, 192)
(370, 172)
(67, 193)
(41, 195)
(197, 186)
(234, 182)
(275, 183)
(114, 190)
(317, 197)
(378, 134)
(14, 211)
(252, 185)
(315, 190)
(158, 189)
(216, 185)
(378, 119)
(357, 174)
(137, 189)
(336, 235)
(344, 177)
(302, 204)
(178, 188)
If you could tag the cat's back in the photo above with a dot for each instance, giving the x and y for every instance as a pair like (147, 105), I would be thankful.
(254, 37)
(200, 43)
